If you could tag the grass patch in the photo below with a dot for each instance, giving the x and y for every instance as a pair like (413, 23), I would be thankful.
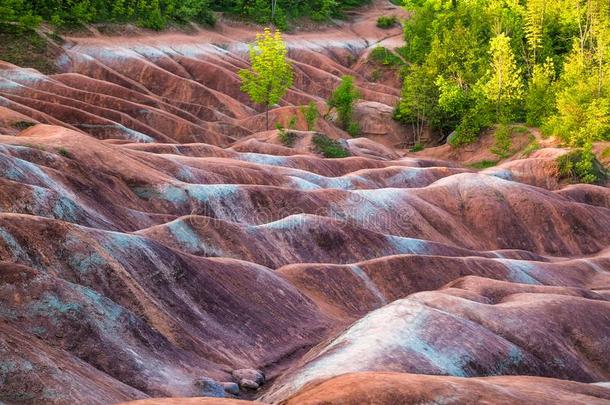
(418, 147)
(503, 141)
(287, 138)
(532, 147)
(21, 125)
(581, 166)
(329, 148)
(483, 164)
(34, 146)
(387, 21)
(520, 129)
(27, 49)
(64, 152)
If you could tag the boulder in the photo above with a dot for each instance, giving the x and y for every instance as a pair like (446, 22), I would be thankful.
(231, 388)
(208, 387)
(249, 378)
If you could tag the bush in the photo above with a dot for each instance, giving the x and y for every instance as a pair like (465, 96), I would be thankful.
(21, 125)
(292, 124)
(64, 152)
(384, 56)
(286, 138)
(418, 147)
(502, 141)
(153, 14)
(343, 99)
(483, 164)
(329, 148)
(386, 22)
(353, 129)
(531, 148)
(310, 112)
(581, 165)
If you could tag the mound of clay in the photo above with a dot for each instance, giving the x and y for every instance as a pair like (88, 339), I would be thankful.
(397, 388)
(156, 241)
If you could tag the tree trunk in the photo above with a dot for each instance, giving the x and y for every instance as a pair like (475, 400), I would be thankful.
(267, 117)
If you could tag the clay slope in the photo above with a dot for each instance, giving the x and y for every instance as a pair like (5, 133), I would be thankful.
(154, 238)
(148, 268)
(395, 388)
(474, 327)
(179, 88)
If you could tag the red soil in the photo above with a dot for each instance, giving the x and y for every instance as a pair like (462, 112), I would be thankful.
(153, 234)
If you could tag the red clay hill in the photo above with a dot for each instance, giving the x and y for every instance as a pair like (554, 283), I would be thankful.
(157, 244)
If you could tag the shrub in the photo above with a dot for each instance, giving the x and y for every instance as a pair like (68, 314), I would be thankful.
(292, 124)
(581, 165)
(384, 56)
(287, 138)
(64, 152)
(329, 148)
(531, 148)
(387, 21)
(353, 129)
(418, 147)
(343, 99)
(310, 112)
(21, 125)
(483, 164)
(502, 141)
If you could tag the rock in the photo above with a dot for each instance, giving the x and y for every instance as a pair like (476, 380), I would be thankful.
(248, 384)
(249, 378)
(249, 374)
(210, 388)
(230, 388)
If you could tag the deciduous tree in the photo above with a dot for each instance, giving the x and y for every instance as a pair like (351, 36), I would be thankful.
(270, 74)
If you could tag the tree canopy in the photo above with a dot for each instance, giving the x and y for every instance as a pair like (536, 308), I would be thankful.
(270, 74)
(474, 63)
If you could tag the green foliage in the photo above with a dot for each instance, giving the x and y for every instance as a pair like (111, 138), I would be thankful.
(329, 148)
(270, 74)
(21, 125)
(583, 102)
(483, 164)
(418, 147)
(311, 113)
(581, 165)
(504, 87)
(64, 152)
(27, 49)
(387, 21)
(353, 129)
(292, 124)
(385, 57)
(479, 62)
(287, 138)
(284, 11)
(540, 96)
(502, 138)
(153, 14)
(343, 99)
(532, 147)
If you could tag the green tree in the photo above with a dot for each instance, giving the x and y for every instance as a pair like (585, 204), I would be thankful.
(505, 85)
(535, 11)
(540, 96)
(310, 112)
(343, 99)
(270, 75)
